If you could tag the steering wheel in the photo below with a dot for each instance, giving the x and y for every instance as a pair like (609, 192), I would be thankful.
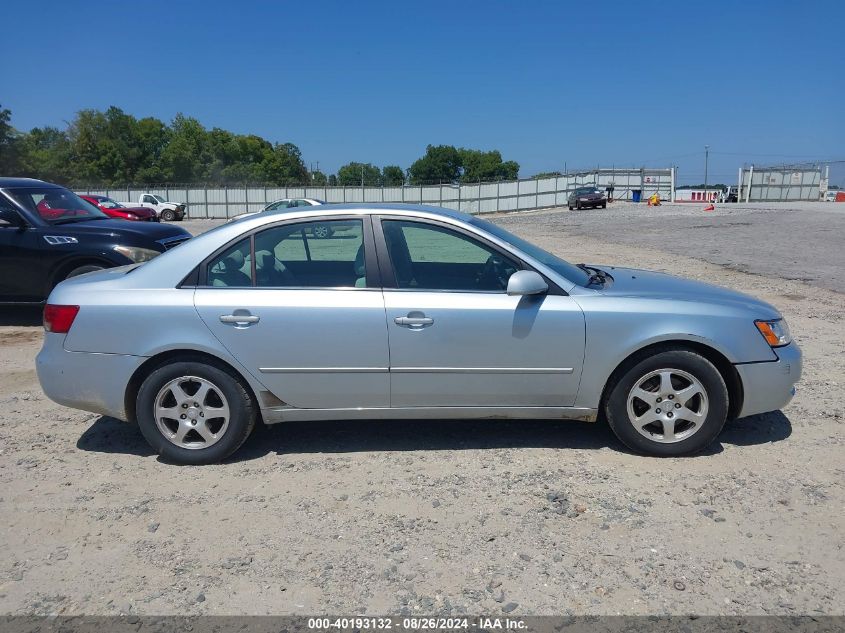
(495, 274)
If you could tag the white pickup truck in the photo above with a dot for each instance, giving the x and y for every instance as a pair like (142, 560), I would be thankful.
(165, 210)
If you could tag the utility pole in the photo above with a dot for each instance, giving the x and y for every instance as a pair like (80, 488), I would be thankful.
(706, 160)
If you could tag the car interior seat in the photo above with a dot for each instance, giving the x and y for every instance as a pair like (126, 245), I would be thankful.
(400, 256)
(360, 268)
(228, 272)
(270, 272)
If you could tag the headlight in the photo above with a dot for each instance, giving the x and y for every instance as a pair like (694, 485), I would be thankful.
(775, 332)
(137, 254)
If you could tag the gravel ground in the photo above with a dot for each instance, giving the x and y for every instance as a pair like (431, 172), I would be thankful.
(428, 517)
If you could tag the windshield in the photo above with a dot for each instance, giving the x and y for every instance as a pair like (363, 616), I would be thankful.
(560, 266)
(55, 205)
(160, 199)
(584, 190)
(108, 203)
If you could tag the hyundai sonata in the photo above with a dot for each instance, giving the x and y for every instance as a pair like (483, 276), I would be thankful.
(410, 312)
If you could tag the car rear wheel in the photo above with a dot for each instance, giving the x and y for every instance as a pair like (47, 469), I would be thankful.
(168, 215)
(668, 404)
(321, 231)
(194, 413)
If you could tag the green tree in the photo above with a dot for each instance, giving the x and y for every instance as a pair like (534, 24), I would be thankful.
(479, 166)
(45, 153)
(353, 174)
(332, 180)
(441, 163)
(392, 176)
(8, 143)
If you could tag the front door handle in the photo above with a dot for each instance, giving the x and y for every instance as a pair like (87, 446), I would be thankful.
(239, 319)
(414, 321)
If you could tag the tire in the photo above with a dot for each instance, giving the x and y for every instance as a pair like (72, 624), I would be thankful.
(570, 207)
(696, 396)
(204, 439)
(82, 270)
(322, 232)
(577, 206)
(168, 215)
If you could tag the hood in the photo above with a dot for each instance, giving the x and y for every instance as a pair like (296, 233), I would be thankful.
(646, 284)
(139, 231)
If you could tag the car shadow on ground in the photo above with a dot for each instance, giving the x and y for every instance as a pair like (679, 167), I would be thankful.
(108, 435)
(21, 315)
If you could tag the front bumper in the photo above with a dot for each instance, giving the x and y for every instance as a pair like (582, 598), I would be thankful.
(770, 386)
(83, 380)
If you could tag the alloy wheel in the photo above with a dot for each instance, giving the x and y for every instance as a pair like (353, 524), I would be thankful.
(191, 412)
(667, 405)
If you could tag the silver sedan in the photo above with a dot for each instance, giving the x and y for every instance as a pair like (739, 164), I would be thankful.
(410, 312)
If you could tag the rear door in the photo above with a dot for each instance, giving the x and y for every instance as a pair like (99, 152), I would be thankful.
(304, 315)
(457, 339)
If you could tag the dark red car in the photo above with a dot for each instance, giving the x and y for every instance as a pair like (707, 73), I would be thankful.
(114, 209)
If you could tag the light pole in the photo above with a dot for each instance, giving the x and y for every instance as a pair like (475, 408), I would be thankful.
(706, 160)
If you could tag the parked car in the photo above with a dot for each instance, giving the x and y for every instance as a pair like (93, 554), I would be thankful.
(48, 234)
(115, 209)
(584, 197)
(421, 313)
(284, 203)
(164, 209)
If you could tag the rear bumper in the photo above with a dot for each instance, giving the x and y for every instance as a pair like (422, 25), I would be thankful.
(770, 386)
(83, 380)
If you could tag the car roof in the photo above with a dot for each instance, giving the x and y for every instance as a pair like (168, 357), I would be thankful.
(369, 208)
(25, 182)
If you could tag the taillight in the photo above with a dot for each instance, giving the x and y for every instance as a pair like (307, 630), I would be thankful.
(58, 319)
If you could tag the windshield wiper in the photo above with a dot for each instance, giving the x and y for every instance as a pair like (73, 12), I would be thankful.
(596, 275)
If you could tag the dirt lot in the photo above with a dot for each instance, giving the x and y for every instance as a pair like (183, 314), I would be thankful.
(479, 517)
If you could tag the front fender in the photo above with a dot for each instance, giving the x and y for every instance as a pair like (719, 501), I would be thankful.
(616, 329)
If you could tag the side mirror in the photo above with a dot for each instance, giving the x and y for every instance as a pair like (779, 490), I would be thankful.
(10, 218)
(526, 282)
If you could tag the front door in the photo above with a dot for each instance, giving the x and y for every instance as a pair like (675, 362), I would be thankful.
(457, 339)
(21, 258)
(304, 315)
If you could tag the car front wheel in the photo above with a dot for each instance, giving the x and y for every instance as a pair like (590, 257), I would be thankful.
(168, 215)
(194, 413)
(668, 404)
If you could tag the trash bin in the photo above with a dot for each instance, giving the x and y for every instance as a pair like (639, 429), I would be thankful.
(636, 195)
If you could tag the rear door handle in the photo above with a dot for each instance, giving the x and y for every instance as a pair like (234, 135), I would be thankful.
(408, 321)
(239, 318)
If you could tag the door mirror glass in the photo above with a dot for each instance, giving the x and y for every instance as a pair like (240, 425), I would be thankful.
(526, 282)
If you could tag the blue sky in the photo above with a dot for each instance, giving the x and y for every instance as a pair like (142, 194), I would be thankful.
(547, 83)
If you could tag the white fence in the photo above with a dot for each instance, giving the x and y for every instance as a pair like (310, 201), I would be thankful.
(770, 184)
(484, 197)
